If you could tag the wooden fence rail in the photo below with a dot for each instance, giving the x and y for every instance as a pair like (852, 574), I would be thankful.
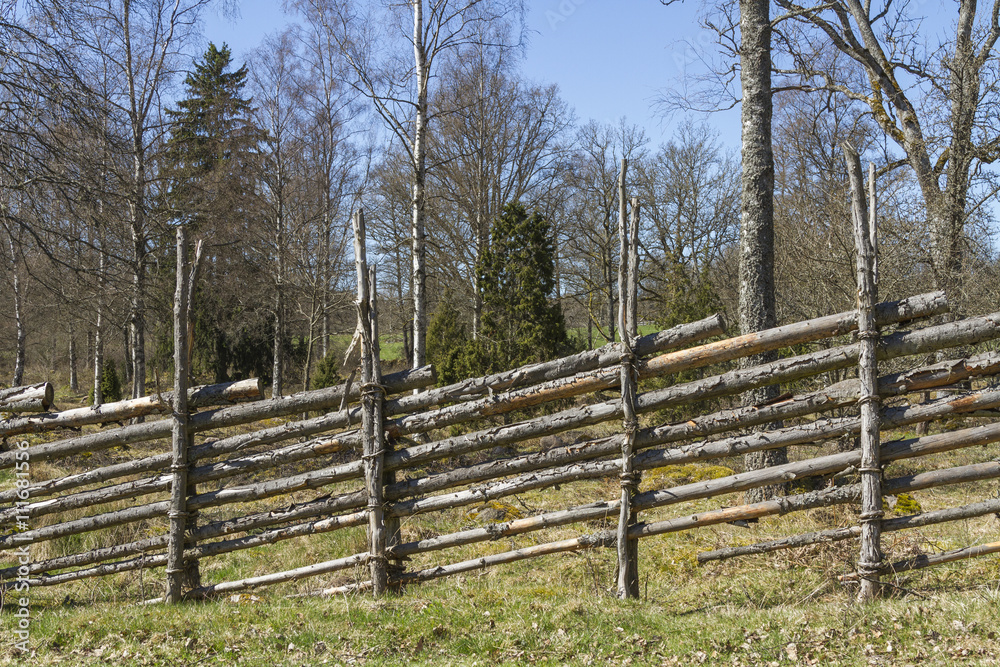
(216, 492)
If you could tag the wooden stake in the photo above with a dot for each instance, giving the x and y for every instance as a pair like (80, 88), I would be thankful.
(870, 558)
(372, 401)
(628, 579)
(180, 435)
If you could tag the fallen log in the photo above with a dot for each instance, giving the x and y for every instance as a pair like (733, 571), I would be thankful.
(838, 534)
(27, 398)
(198, 397)
(930, 560)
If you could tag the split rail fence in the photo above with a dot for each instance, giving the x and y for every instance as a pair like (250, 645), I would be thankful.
(379, 454)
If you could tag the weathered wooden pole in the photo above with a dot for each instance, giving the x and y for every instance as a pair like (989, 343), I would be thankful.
(180, 435)
(628, 561)
(383, 445)
(372, 416)
(870, 558)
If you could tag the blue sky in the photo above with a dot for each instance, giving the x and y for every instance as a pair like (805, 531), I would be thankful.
(610, 59)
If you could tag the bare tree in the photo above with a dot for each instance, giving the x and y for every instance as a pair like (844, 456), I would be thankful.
(945, 125)
(275, 89)
(690, 194)
(399, 87)
(592, 228)
(504, 142)
(138, 45)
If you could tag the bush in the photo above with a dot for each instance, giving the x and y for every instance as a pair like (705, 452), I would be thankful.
(111, 384)
(327, 370)
(449, 346)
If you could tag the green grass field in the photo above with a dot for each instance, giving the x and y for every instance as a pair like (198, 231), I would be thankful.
(784, 608)
(777, 609)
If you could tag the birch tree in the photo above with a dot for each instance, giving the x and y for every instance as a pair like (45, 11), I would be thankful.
(505, 142)
(374, 41)
(139, 45)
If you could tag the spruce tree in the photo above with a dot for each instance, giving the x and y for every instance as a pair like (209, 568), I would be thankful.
(212, 147)
(449, 346)
(517, 282)
(211, 164)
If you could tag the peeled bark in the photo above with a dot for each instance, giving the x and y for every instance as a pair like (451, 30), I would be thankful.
(31, 398)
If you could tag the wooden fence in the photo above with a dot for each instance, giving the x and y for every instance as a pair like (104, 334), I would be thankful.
(377, 453)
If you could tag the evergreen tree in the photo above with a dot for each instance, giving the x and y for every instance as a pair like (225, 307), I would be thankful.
(516, 281)
(449, 346)
(212, 147)
(211, 165)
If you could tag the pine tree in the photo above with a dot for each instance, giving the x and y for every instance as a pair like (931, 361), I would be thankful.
(516, 281)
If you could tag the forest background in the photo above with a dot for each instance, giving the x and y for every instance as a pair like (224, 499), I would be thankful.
(122, 119)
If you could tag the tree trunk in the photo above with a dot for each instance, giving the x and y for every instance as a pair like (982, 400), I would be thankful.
(22, 335)
(757, 301)
(277, 380)
(422, 74)
(74, 380)
(98, 357)
(137, 323)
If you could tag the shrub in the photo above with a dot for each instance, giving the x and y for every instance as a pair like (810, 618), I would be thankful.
(111, 384)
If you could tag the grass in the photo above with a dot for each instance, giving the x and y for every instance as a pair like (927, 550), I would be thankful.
(782, 608)
(579, 335)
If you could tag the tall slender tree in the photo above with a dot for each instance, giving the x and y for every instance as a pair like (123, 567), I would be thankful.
(757, 308)
(373, 43)
(212, 164)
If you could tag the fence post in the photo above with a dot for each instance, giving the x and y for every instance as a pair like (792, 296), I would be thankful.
(180, 435)
(870, 557)
(628, 556)
(372, 429)
(382, 442)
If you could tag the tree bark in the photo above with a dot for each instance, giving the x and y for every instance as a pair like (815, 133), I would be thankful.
(757, 298)
(32, 398)
(870, 558)
(21, 345)
(181, 437)
(74, 380)
(418, 241)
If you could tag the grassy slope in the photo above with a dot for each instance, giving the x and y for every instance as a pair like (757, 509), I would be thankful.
(782, 608)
